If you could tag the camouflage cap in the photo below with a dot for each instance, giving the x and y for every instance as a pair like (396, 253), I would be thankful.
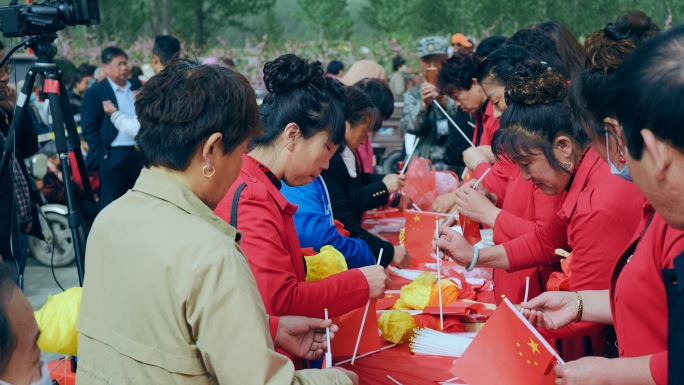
(433, 45)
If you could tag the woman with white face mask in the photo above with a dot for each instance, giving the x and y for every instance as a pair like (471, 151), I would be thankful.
(645, 103)
(537, 134)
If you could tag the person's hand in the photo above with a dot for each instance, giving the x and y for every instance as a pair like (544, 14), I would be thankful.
(109, 107)
(482, 190)
(473, 156)
(352, 376)
(585, 371)
(401, 257)
(303, 337)
(428, 93)
(394, 182)
(475, 206)
(378, 280)
(487, 151)
(444, 203)
(452, 245)
(551, 310)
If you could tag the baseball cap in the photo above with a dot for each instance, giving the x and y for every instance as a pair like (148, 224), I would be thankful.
(433, 45)
(460, 39)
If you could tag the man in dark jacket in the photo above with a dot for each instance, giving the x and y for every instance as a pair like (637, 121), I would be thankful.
(110, 150)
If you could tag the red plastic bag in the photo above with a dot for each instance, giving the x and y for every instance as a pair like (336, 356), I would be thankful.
(420, 183)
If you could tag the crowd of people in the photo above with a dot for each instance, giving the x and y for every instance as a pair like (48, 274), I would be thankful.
(195, 271)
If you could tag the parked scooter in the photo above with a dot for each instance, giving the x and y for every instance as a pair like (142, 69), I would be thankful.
(56, 249)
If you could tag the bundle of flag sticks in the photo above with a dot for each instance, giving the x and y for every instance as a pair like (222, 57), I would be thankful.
(431, 342)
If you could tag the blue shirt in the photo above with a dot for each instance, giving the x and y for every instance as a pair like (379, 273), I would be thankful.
(125, 101)
(316, 227)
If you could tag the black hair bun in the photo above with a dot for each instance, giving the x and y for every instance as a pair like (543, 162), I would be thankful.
(290, 71)
(534, 82)
(635, 26)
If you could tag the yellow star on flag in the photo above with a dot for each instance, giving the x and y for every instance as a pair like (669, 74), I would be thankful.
(534, 346)
(520, 354)
(389, 296)
(535, 363)
(528, 362)
(517, 344)
(416, 218)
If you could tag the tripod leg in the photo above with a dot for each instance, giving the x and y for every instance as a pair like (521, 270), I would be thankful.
(75, 141)
(51, 88)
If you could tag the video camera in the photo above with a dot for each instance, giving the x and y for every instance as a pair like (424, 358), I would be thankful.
(48, 17)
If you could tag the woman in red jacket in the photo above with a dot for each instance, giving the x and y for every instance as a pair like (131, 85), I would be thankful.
(303, 117)
(526, 207)
(646, 101)
(538, 135)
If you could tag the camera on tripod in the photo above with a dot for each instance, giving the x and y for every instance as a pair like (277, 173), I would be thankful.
(48, 17)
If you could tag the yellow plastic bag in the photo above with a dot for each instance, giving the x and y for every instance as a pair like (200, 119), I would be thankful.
(416, 295)
(327, 262)
(396, 326)
(57, 322)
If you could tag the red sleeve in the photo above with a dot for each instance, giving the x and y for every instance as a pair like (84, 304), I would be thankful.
(537, 248)
(497, 180)
(273, 326)
(508, 226)
(658, 366)
(577, 329)
(274, 268)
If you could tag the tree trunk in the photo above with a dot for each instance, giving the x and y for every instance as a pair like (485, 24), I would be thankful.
(154, 16)
(166, 16)
(199, 23)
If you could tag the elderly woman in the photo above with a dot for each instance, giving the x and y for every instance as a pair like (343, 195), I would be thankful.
(169, 296)
(646, 104)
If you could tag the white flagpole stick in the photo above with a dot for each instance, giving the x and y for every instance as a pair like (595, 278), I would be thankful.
(393, 380)
(474, 187)
(439, 276)
(409, 156)
(471, 124)
(527, 288)
(328, 353)
(363, 320)
(481, 178)
(415, 206)
(367, 354)
(453, 123)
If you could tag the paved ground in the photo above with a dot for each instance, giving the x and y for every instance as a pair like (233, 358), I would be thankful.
(39, 283)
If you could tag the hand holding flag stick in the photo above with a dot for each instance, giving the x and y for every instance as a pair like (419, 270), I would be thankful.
(453, 123)
(477, 183)
(363, 320)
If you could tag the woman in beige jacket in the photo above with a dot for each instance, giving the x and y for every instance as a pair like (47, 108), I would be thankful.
(168, 296)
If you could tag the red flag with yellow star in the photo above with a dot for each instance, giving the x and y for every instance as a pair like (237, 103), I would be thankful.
(418, 236)
(507, 350)
(471, 229)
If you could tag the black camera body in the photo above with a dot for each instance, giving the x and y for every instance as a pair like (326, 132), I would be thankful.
(48, 17)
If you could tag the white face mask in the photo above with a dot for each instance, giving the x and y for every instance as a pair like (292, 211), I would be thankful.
(43, 380)
(624, 173)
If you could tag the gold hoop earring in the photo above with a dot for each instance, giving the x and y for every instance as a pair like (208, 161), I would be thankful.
(208, 170)
(567, 166)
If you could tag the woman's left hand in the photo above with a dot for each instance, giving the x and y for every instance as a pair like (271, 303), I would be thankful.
(585, 371)
(476, 206)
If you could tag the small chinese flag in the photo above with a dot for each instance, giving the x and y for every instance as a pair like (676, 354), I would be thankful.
(471, 229)
(508, 350)
(418, 236)
(349, 324)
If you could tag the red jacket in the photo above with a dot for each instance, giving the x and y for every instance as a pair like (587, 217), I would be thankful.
(269, 240)
(489, 126)
(638, 298)
(596, 221)
(526, 209)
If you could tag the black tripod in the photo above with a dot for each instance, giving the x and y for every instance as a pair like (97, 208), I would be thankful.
(45, 50)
